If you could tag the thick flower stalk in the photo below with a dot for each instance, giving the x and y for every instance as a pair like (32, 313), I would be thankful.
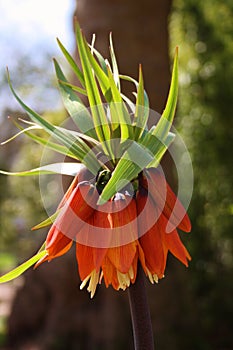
(119, 210)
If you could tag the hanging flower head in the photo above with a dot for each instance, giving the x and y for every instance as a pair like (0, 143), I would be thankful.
(119, 210)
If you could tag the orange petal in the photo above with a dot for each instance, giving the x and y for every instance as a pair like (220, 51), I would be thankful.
(110, 274)
(124, 223)
(84, 255)
(151, 241)
(135, 267)
(83, 175)
(79, 207)
(90, 252)
(122, 257)
(66, 196)
(174, 244)
(141, 257)
(60, 244)
(166, 200)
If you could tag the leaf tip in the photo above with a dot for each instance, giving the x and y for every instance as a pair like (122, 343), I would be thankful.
(101, 201)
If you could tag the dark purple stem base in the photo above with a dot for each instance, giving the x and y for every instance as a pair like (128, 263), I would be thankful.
(140, 313)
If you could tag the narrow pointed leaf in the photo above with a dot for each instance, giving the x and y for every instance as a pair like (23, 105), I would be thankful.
(55, 168)
(101, 60)
(114, 64)
(120, 110)
(142, 110)
(99, 117)
(22, 268)
(136, 83)
(52, 145)
(50, 220)
(73, 87)
(74, 144)
(43, 141)
(33, 127)
(74, 105)
(165, 122)
(72, 63)
(100, 74)
(161, 151)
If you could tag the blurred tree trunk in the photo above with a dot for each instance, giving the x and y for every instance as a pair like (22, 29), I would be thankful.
(50, 311)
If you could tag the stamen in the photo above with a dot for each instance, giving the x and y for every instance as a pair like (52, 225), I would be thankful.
(123, 279)
(84, 282)
(155, 278)
(150, 276)
(101, 277)
(93, 282)
(94, 279)
(131, 272)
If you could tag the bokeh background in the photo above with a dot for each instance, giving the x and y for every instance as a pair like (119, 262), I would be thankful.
(191, 308)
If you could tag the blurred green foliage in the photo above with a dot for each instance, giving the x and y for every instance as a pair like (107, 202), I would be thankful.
(204, 32)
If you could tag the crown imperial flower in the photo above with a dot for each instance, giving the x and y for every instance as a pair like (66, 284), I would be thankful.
(119, 210)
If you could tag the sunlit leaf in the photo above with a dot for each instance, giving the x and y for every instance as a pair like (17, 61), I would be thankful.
(73, 87)
(99, 116)
(47, 221)
(142, 107)
(99, 72)
(114, 64)
(134, 160)
(72, 63)
(75, 145)
(136, 83)
(74, 105)
(22, 268)
(56, 168)
(33, 127)
(165, 122)
(101, 60)
(118, 109)
(161, 150)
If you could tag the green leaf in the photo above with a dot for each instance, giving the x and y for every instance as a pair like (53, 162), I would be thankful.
(72, 63)
(99, 117)
(75, 145)
(162, 128)
(74, 106)
(98, 70)
(134, 160)
(114, 64)
(82, 137)
(52, 145)
(47, 221)
(22, 268)
(33, 127)
(73, 87)
(119, 111)
(161, 150)
(131, 80)
(55, 168)
(43, 141)
(142, 107)
(101, 60)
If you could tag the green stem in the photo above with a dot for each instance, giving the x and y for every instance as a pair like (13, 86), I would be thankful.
(140, 313)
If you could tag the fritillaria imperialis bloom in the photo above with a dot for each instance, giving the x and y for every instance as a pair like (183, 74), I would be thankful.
(119, 210)
(129, 228)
